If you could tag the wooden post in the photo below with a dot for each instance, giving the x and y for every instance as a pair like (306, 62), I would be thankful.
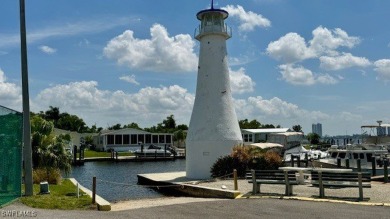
(359, 165)
(288, 190)
(321, 185)
(299, 160)
(306, 160)
(360, 186)
(94, 190)
(254, 189)
(373, 162)
(292, 160)
(385, 170)
(116, 155)
(235, 179)
(338, 162)
(75, 154)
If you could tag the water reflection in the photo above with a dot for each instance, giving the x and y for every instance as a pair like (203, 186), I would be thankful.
(118, 181)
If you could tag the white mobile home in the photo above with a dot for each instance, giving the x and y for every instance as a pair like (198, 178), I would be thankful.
(130, 139)
(250, 136)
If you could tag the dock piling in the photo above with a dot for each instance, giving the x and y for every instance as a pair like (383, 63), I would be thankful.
(94, 190)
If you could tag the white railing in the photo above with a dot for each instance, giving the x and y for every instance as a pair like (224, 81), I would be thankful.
(225, 30)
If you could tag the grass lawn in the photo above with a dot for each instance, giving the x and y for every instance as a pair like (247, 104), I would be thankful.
(89, 153)
(62, 196)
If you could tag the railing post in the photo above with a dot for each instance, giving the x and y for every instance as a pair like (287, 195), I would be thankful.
(94, 190)
(235, 179)
(347, 163)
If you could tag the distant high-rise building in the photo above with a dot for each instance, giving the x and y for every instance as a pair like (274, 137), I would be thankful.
(317, 128)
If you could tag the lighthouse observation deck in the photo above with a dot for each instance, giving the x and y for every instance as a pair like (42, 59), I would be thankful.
(212, 22)
(224, 30)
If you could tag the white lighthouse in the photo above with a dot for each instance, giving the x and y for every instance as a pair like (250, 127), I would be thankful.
(213, 129)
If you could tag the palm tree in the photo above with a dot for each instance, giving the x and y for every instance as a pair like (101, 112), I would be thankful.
(48, 150)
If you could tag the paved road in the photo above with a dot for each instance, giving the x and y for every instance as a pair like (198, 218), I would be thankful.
(238, 208)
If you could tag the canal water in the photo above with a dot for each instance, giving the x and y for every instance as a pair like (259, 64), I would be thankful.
(117, 181)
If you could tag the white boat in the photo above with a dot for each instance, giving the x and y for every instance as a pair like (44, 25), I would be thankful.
(301, 152)
(375, 137)
(153, 151)
(351, 154)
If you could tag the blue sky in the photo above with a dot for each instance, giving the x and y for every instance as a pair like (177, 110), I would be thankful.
(291, 62)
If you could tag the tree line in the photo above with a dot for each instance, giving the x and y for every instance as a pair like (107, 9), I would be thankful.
(66, 121)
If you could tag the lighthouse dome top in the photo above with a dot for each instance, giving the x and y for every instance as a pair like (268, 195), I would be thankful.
(200, 14)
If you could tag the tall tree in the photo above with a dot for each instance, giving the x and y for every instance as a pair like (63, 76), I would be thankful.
(314, 138)
(297, 128)
(245, 124)
(169, 122)
(115, 127)
(53, 114)
(132, 125)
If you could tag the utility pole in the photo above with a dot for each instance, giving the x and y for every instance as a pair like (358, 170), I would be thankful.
(27, 150)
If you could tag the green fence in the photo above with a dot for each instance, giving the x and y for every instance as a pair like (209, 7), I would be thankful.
(11, 132)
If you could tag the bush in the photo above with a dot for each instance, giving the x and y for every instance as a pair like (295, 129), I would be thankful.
(224, 166)
(270, 160)
(244, 158)
(51, 175)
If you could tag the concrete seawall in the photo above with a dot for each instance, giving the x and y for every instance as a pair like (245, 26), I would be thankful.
(176, 183)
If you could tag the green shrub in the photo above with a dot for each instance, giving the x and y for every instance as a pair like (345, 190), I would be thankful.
(270, 160)
(244, 158)
(224, 166)
(51, 175)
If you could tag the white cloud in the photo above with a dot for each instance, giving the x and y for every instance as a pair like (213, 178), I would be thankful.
(69, 29)
(10, 94)
(298, 75)
(248, 20)
(146, 107)
(289, 48)
(382, 67)
(326, 41)
(346, 60)
(240, 82)
(275, 109)
(161, 53)
(293, 48)
(348, 116)
(130, 79)
(47, 49)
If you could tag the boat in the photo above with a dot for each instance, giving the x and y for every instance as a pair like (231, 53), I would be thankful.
(351, 154)
(303, 154)
(376, 137)
(154, 151)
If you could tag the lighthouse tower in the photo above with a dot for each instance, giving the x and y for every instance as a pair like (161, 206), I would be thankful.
(213, 129)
